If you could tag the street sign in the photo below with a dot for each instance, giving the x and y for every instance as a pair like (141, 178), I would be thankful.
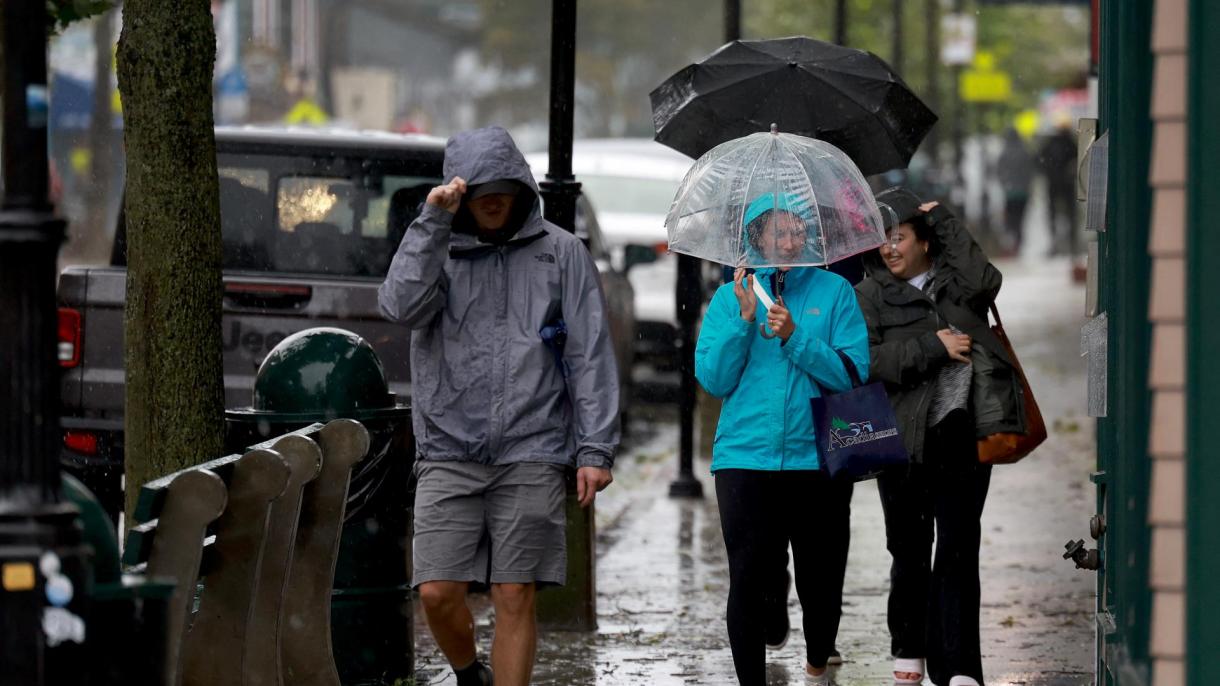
(957, 39)
(306, 111)
(985, 83)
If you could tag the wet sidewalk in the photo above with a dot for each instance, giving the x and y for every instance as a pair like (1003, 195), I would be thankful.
(663, 577)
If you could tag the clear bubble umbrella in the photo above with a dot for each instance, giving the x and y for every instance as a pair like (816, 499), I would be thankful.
(774, 200)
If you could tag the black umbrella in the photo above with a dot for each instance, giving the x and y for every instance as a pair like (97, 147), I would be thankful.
(847, 97)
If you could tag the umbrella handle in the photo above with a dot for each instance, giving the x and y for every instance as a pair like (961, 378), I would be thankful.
(762, 329)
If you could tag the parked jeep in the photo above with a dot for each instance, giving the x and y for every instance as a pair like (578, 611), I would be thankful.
(310, 220)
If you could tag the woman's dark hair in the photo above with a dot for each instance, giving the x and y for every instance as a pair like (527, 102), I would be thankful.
(923, 230)
(754, 230)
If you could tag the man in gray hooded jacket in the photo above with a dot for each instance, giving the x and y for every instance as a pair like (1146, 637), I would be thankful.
(513, 381)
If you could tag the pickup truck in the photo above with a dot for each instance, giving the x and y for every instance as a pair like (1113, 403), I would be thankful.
(310, 220)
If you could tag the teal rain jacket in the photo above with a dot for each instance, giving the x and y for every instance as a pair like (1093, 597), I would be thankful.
(766, 422)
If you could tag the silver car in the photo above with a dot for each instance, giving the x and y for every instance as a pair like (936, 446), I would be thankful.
(632, 182)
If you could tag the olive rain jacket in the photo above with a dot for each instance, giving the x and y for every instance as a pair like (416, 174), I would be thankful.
(905, 351)
(484, 386)
(766, 422)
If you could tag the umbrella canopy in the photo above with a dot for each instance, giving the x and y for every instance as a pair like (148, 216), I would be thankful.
(774, 200)
(847, 97)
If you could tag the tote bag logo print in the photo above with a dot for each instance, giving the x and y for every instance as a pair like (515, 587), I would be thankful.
(844, 433)
(859, 449)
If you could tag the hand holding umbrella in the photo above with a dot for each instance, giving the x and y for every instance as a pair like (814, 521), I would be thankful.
(780, 320)
(743, 288)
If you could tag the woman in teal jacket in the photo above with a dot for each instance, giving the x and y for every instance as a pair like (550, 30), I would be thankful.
(769, 480)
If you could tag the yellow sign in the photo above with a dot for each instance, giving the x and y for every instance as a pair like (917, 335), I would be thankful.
(985, 83)
(18, 576)
(306, 111)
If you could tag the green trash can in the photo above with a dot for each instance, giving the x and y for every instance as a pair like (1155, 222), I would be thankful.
(128, 614)
(322, 374)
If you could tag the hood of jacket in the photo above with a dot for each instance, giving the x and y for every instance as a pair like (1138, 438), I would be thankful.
(489, 154)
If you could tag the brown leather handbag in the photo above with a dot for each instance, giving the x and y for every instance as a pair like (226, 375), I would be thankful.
(1006, 448)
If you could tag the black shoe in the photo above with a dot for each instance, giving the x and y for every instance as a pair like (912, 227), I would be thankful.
(477, 674)
(778, 626)
(835, 658)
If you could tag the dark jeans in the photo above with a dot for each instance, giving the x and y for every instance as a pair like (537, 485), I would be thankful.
(760, 514)
(1062, 206)
(934, 606)
(1014, 218)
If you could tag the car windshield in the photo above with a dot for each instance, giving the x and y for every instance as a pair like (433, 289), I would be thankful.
(322, 216)
(629, 194)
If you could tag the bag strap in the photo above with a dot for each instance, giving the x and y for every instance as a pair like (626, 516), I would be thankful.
(996, 314)
(852, 372)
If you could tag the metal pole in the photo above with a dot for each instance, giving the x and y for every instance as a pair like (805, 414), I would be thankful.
(896, 49)
(574, 605)
(732, 20)
(559, 190)
(689, 300)
(46, 573)
(841, 22)
(959, 123)
(932, 75)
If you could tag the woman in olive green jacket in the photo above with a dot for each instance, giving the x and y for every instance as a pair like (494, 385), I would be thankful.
(925, 302)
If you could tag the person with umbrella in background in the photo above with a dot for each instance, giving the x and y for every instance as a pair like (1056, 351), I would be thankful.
(925, 302)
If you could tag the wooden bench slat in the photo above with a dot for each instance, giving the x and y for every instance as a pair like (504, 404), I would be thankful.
(307, 653)
(262, 658)
(152, 494)
(212, 652)
(196, 498)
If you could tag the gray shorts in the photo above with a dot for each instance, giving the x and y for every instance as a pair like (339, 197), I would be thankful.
(489, 524)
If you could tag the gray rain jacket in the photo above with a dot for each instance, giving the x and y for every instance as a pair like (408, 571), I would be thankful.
(485, 387)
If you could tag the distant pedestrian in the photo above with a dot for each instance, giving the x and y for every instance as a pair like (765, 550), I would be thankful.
(1015, 170)
(1057, 160)
(770, 486)
(925, 302)
(501, 409)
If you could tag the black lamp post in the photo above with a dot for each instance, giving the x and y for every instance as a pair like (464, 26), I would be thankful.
(44, 568)
(841, 22)
(574, 605)
(559, 190)
(689, 300)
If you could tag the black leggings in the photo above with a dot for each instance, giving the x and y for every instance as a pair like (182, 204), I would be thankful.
(934, 604)
(760, 514)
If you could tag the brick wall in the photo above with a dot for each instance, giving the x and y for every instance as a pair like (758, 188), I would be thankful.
(1167, 312)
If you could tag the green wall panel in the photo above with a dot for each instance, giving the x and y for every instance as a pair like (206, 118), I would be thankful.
(1122, 436)
(1202, 342)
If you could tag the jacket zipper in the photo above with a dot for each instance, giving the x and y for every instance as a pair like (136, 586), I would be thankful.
(498, 373)
(777, 289)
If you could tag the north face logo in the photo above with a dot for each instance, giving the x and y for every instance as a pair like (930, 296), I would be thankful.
(545, 257)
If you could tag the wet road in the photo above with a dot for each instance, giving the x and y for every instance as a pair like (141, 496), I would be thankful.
(662, 572)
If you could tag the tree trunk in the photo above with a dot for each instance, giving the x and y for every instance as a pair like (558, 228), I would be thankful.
(175, 387)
